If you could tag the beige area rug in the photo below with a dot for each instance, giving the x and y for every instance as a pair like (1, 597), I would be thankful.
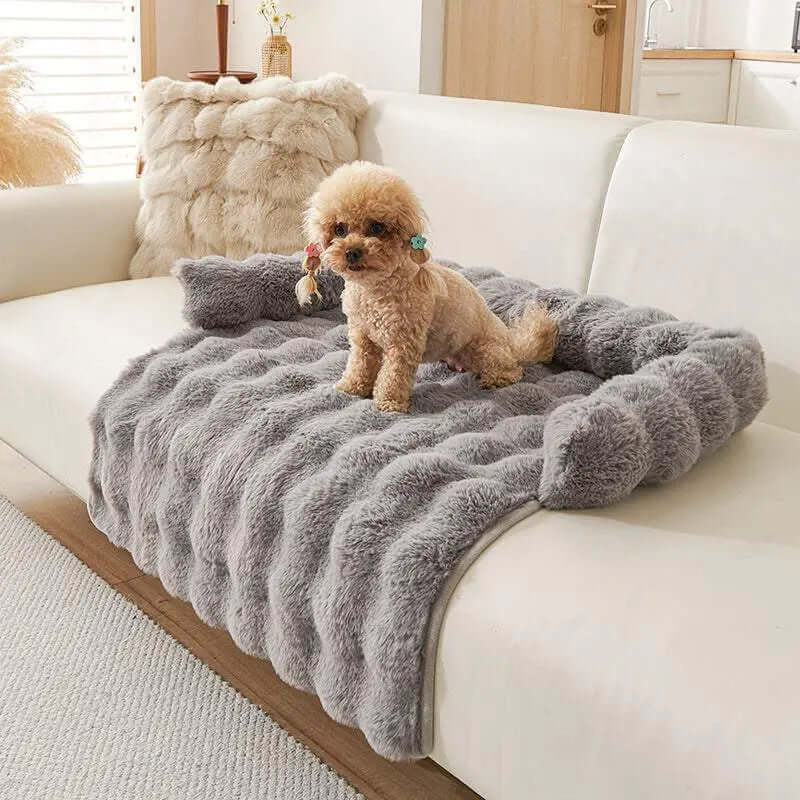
(99, 703)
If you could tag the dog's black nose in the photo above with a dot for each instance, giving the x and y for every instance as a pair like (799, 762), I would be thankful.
(352, 256)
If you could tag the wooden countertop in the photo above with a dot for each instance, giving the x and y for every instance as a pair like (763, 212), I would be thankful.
(694, 53)
(786, 56)
(768, 55)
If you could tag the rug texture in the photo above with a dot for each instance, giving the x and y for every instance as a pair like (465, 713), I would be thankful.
(97, 701)
(228, 168)
(322, 533)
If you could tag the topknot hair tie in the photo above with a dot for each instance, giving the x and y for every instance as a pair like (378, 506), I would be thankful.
(306, 288)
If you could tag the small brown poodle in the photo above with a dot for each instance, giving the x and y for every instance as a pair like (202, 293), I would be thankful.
(402, 308)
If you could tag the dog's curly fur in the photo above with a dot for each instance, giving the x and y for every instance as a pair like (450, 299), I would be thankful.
(403, 308)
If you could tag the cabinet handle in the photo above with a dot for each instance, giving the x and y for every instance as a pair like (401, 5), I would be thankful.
(795, 81)
(665, 93)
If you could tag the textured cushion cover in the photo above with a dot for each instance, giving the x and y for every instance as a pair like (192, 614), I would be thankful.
(228, 168)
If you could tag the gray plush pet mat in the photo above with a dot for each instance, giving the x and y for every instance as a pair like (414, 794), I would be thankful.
(326, 536)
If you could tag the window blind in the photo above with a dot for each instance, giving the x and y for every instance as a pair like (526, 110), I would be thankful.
(85, 57)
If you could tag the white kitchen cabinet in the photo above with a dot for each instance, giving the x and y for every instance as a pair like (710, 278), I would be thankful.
(766, 94)
(692, 89)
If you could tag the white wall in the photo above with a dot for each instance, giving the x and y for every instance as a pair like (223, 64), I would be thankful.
(745, 24)
(769, 24)
(748, 24)
(723, 23)
(431, 78)
(382, 44)
(186, 36)
(679, 28)
(377, 43)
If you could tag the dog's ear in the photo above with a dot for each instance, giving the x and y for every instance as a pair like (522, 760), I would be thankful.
(411, 223)
(420, 256)
(429, 281)
(315, 227)
(315, 232)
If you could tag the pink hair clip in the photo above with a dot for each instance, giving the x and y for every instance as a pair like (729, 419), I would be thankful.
(313, 250)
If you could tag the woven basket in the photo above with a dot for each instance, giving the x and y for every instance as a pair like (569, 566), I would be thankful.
(276, 57)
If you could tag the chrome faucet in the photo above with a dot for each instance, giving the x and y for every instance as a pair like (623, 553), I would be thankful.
(651, 41)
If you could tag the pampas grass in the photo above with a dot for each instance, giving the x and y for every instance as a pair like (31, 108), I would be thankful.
(36, 148)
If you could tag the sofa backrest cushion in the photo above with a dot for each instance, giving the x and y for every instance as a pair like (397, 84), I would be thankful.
(704, 221)
(518, 187)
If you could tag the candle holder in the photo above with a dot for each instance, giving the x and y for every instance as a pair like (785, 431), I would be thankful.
(212, 76)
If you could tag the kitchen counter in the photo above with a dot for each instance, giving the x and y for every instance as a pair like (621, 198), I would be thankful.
(738, 87)
(692, 53)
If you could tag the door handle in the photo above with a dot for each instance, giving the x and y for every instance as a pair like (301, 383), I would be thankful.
(600, 25)
(601, 9)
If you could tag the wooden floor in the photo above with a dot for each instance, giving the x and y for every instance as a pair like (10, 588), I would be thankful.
(64, 516)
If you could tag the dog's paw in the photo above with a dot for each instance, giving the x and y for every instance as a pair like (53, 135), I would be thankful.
(454, 365)
(498, 380)
(354, 388)
(392, 404)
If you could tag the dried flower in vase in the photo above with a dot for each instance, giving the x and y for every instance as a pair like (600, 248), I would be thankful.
(276, 19)
(276, 52)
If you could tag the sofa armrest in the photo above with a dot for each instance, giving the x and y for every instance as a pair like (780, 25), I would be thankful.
(57, 237)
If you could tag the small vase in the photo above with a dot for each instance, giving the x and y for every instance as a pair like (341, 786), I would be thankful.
(276, 57)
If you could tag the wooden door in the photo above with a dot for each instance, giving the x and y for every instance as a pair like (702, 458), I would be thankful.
(553, 52)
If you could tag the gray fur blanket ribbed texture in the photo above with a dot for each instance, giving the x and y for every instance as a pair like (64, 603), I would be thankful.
(327, 536)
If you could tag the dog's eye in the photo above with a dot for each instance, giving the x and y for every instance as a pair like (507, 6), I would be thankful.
(375, 228)
(340, 229)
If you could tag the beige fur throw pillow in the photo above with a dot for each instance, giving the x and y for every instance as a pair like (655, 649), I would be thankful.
(228, 168)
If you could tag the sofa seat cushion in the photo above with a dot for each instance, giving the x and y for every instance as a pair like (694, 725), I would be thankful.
(646, 649)
(59, 352)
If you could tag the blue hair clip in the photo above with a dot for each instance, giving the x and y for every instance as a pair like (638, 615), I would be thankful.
(418, 242)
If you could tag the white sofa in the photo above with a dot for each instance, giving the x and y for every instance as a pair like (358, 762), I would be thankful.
(648, 650)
